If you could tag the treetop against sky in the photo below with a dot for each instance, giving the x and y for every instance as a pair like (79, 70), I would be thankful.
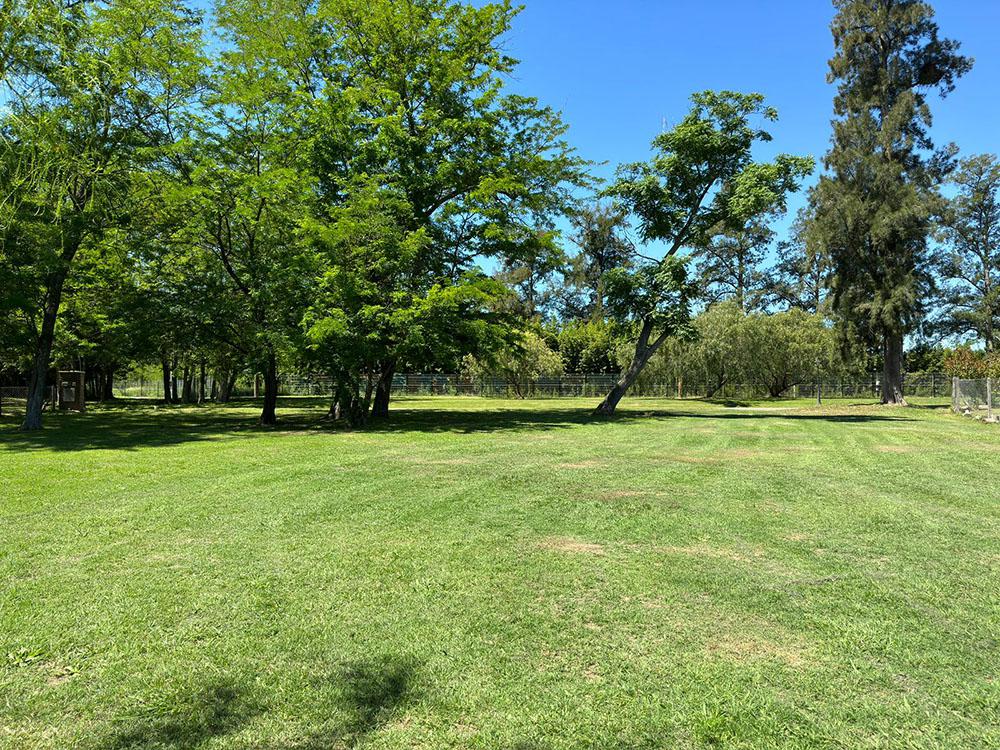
(620, 71)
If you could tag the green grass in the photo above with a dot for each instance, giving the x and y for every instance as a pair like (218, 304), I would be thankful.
(497, 574)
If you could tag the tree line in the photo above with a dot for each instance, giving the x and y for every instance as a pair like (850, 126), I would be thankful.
(351, 188)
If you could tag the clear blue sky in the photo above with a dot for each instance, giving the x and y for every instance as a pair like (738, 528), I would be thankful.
(616, 69)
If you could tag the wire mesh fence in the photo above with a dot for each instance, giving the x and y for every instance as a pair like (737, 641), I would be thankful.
(14, 400)
(977, 397)
(570, 385)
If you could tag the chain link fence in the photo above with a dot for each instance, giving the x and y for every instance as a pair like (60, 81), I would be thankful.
(976, 398)
(578, 385)
(14, 400)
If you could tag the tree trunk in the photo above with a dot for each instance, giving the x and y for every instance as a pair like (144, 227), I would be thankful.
(165, 364)
(643, 352)
(173, 381)
(109, 386)
(187, 387)
(43, 346)
(267, 415)
(202, 379)
(892, 370)
(383, 390)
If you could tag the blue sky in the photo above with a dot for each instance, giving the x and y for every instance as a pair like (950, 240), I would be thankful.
(617, 69)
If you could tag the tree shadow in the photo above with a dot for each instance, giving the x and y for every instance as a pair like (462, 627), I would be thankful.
(216, 711)
(370, 692)
(130, 426)
(552, 418)
(128, 429)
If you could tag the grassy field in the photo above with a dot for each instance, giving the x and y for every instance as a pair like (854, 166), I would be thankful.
(498, 574)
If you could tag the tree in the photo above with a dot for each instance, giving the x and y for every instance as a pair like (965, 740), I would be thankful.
(785, 349)
(600, 232)
(419, 107)
(801, 276)
(729, 265)
(970, 228)
(521, 363)
(250, 194)
(587, 346)
(366, 308)
(875, 204)
(702, 179)
(89, 90)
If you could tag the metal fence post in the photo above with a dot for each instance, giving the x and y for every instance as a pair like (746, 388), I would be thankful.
(989, 398)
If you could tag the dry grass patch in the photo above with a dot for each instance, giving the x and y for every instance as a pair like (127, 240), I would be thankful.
(589, 464)
(745, 649)
(895, 448)
(719, 553)
(570, 545)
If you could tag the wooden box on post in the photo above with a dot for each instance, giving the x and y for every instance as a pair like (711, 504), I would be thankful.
(71, 391)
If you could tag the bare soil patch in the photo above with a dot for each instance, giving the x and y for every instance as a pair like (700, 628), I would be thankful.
(572, 546)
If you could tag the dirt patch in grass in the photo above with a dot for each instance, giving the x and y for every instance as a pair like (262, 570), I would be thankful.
(720, 553)
(590, 464)
(570, 546)
(749, 649)
(716, 458)
(798, 537)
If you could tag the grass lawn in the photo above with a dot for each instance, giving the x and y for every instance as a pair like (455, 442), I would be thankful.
(499, 574)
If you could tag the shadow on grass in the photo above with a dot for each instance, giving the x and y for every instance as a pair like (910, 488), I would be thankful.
(133, 425)
(444, 420)
(369, 693)
(213, 712)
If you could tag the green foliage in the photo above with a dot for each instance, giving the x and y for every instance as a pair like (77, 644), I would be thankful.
(527, 358)
(875, 204)
(588, 346)
(729, 266)
(601, 235)
(801, 276)
(703, 175)
(970, 228)
(769, 352)
(657, 294)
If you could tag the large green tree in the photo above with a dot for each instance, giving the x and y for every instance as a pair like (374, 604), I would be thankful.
(418, 106)
(702, 179)
(89, 92)
(874, 205)
(250, 192)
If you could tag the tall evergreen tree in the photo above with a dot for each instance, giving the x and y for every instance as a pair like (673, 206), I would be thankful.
(875, 204)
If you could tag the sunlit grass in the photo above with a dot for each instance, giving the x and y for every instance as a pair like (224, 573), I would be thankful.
(501, 574)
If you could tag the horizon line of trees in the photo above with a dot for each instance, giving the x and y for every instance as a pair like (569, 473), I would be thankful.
(317, 186)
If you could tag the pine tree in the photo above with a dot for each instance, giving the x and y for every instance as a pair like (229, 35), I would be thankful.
(876, 202)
